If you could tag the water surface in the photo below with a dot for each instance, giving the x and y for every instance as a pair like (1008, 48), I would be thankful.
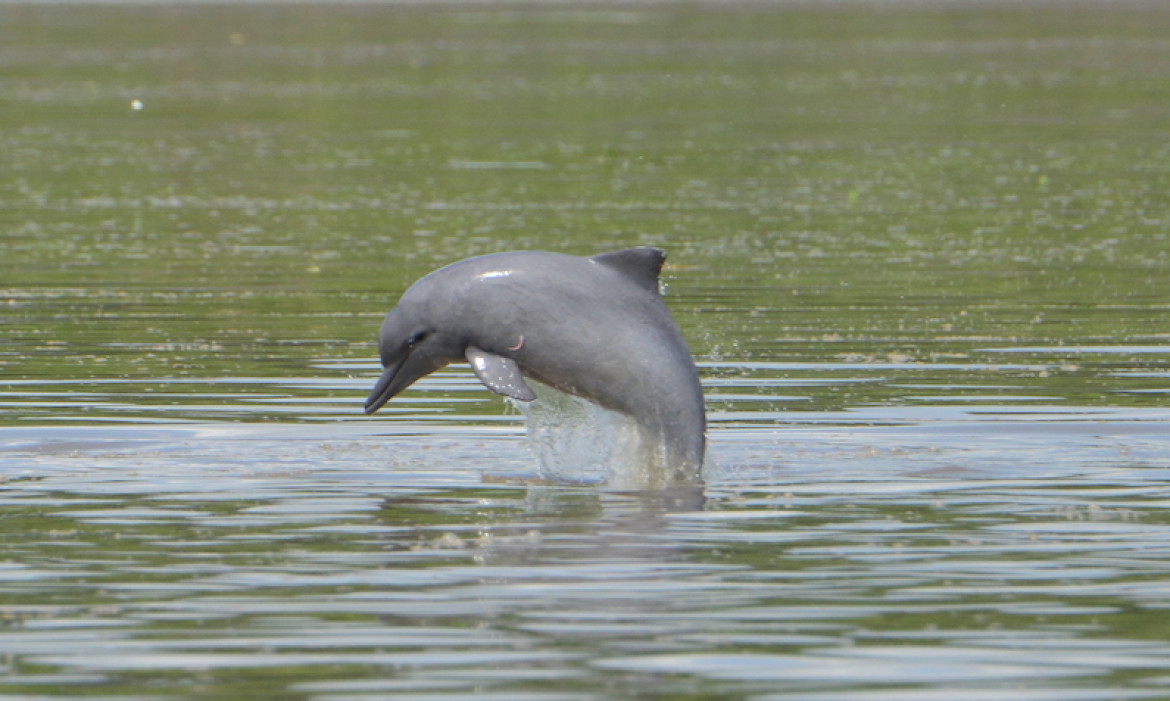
(919, 251)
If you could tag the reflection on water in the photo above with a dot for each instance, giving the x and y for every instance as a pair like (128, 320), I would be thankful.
(1017, 549)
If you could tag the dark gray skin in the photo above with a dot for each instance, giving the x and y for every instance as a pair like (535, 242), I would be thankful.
(593, 327)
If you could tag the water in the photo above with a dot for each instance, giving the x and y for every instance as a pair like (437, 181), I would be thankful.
(919, 251)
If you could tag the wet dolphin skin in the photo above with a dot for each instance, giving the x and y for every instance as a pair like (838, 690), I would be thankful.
(593, 327)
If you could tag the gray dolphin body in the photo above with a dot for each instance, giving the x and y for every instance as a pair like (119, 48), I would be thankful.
(592, 327)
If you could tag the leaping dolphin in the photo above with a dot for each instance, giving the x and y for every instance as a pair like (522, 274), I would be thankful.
(592, 327)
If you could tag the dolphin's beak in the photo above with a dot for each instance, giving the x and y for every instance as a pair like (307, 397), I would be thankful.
(411, 364)
(386, 386)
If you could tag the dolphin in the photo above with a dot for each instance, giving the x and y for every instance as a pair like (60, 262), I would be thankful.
(594, 327)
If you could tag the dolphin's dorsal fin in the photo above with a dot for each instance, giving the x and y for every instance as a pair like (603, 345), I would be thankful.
(641, 264)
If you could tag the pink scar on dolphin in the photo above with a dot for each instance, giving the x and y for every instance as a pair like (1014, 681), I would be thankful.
(518, 346)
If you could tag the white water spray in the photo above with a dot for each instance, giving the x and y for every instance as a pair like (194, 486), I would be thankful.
(578, 442)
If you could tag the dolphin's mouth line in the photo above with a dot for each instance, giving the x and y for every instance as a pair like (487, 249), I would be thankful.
(384, 389)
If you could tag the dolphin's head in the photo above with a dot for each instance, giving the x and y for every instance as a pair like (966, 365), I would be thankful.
(411, 348)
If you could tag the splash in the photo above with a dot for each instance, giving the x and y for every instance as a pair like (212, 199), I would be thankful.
(578, 442)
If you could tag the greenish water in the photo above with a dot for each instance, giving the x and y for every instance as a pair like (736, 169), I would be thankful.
(919, 250)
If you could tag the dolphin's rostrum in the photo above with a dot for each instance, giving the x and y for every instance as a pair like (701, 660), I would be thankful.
(592, 327)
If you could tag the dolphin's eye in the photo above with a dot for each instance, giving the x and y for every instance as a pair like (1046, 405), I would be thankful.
(418, 337)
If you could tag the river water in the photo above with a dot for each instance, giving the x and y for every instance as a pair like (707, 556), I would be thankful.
(918, 250)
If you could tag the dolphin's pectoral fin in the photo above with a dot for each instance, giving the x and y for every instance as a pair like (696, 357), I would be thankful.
(499, 374)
